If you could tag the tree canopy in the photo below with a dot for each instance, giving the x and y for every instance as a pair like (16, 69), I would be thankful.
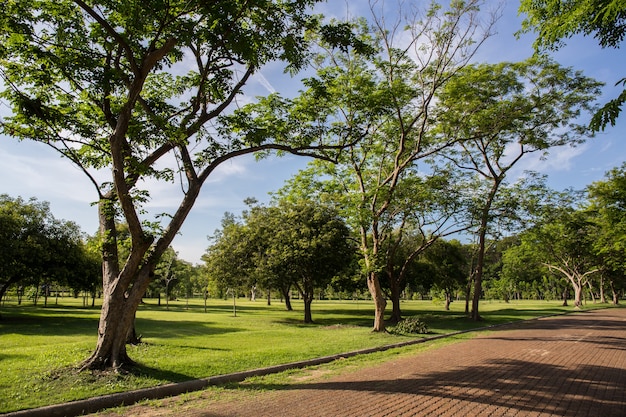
(137, 90)
(557, 20)
(299, 244)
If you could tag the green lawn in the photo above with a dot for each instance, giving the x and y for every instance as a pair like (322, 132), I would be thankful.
(40, 347)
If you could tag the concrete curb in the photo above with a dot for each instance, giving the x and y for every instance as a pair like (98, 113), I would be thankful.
(92, 405)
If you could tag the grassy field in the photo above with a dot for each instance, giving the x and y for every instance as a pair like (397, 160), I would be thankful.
(40, 347)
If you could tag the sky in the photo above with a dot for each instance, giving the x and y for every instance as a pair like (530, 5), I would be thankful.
(30, 169)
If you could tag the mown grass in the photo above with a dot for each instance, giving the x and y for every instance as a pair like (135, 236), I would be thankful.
(41, 347)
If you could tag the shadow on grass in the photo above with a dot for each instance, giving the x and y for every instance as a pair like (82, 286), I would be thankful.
(165, 329)
(28, 323)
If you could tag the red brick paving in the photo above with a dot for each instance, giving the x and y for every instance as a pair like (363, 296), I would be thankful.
(572, 365)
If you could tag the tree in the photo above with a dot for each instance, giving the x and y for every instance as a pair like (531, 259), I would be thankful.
(137, 88)
(36, 246)
(233, 256)
(310, 246)
(499, 113)
(301, 244)
(385, 98)
(564, 244)
(448, 267)
(607, 207)
(556, 20)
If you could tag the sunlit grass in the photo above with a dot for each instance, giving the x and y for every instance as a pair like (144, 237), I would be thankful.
(40, 347)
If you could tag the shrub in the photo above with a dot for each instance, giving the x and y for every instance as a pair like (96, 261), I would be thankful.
(410, 325)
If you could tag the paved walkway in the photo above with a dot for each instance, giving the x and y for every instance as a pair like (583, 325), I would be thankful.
(572, 365)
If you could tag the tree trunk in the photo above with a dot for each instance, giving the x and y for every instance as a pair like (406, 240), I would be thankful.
(285, 291)
(482, 245)
(116, 324)
(578, 290)
(593, 295)
(396, 313)
(602, 294)
(379, 302)
(468, 293)
(448, 300)
(615, 294)
(478, 273)
(119, 302)
(308, 300)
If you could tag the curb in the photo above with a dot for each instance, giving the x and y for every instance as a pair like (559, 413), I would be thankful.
(95, 404)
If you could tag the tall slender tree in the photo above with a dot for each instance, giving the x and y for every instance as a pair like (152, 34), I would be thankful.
(385, 98)
(500, 113)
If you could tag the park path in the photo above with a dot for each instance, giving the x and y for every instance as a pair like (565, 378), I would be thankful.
(571, 365)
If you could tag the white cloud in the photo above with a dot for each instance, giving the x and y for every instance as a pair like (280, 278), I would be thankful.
(39, 173)
(561, 159)
(264, 82)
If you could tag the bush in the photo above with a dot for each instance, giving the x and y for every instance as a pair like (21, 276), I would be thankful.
(410, 325)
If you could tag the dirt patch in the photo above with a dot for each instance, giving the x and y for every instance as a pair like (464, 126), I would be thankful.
(309, 375)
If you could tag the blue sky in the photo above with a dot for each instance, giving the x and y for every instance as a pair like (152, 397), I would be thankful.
(30, 169)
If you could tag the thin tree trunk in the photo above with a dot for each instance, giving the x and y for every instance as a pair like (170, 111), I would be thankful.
(380, 302)
(578, 290)
(448, 300)
(602, 294)
(593, 296)
(285, 291)
(396, 312)
(468, 293)
(615, 294)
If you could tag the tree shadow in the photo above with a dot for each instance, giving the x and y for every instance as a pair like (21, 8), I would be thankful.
(524, 386)
(78, 324)
(165, 329)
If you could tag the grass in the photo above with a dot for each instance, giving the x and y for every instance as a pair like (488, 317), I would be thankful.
(40, 347)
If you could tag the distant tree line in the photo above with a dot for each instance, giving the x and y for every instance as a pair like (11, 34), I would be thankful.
(41, 253)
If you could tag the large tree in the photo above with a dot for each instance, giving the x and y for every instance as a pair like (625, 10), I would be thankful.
(500, 113)
(554, 21)
(292, 243)
(309, 247)
(135, 89)
(385, 98)
(564, 244)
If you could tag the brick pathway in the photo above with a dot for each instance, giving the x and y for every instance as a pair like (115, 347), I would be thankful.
(573, 365)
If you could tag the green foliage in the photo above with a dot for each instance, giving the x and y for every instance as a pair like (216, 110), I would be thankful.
(294, 243)
(556, 20)
(39, 249)
(410, 325)
(607, 208)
